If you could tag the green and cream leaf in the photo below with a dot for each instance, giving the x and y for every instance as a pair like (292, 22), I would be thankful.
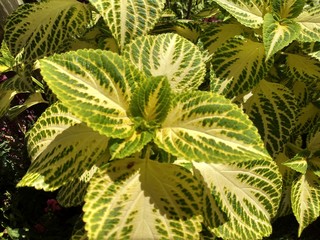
(249, 13)
(278, 34)
(96, 86)
(168, 55)
(305, 197)
(140, 198)
(238, 66)
(203, 124)
(287, 8)
(129, 19)
(45, 28)
(309, 22)
(272, 108)
(299, 162)
(248, 192)
(72, 152)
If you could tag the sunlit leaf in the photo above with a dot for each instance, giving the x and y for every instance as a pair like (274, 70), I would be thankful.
(309, 22)
(248, 192)
(143, 199)
(168, 55)
(299, 162)
(201, 125)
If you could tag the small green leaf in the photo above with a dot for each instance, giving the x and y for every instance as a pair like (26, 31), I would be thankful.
(143, 199)
(96, 86)
(151, 100)
(299, 162)
(309, 22)
(168, 55)
(305, 197)
(247, 12)
(278, 34)
(204, 126)
(129, 19)
(287, 8)
(248, 192)
(121, 148)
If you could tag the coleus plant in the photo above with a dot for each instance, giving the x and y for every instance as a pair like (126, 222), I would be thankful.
(129, 135)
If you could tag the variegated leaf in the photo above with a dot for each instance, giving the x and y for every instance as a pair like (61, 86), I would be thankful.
(66, 158)
(96, 87)
(248, 192)
(315, 55)
(287, 8)
(303, 68)
(45, 28)
(9, 88)
(151, 102)
(309, 22)
(308, 116)
(168, 55)
(272, 108)
(72, 193)
(7, 61)
(129, 19)
(121, 148)
(49, 125)
(313, 139)
(143, 199)
(299, 162)
(238, 66)
(201, 125)
(79, 233)
(288, 175)
(314, 163)
(278, 34)
(215, 35)
(305, 197)
(247, 12)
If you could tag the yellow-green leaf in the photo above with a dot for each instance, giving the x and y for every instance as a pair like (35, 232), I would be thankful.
(248, 192)
(129, 19)
(96, 86)
(278, 34)
(66, 158)
(169, 55)
(247, 12)
(309, 21)
(203, 124)
(272, 108)
(143, 199)
(287, 8)
(305, 197)
(44, 28)
(238, 66)
(299, 162)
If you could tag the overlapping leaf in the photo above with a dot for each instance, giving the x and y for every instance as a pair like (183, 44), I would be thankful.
(272, 108)
(51, 123)
(299, 162)
(72, 152)
(96, 86)
(129, 19)
(247, 12)
(143, 199)
(278, 34)
(238, 66)
(287, 8)
(45, 28)
(309, 22)
(313, 140)
(249, 194)
(305, 199)
(168, 55)
(217, 34)
(9, 88)
(201, 125)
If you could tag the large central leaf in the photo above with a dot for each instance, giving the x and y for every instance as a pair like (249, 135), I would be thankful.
(96, 87)
(201, 125)
(143, 199)
(128, 19)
